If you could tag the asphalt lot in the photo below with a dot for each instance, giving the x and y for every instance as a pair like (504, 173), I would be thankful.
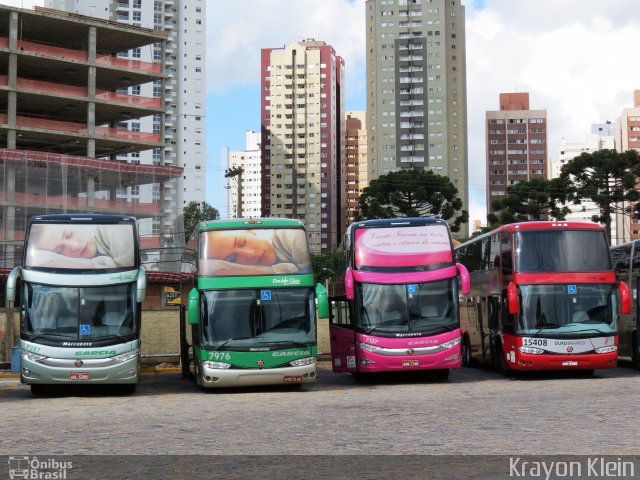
(475, 412)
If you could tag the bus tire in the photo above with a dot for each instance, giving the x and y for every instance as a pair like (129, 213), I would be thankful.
(37, 389)
(441, 375)
(128, 388)
(635, 357)
(466, 352)
(503, 367)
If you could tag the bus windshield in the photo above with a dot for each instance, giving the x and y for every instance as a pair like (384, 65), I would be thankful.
(79, 313)
(568, 309)
(562, 251)
(250, 317)
(430, 308)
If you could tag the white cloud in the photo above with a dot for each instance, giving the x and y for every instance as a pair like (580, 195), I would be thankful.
(573, 57)
(237, 31)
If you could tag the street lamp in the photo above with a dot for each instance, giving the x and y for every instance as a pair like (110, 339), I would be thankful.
(236, 172)
(326, 280)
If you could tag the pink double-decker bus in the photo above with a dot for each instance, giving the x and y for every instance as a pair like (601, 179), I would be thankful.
(400, 308)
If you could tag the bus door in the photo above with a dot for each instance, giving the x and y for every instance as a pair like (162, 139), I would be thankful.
(494, 343)
(483, 329)
(342, 335)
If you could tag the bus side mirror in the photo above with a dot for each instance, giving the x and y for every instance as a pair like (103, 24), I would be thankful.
(348, 284)
(625, 298)
(193, 307)
(465, 281)
(12, 284)
(141, 285)
(323, 301)
(512, 299)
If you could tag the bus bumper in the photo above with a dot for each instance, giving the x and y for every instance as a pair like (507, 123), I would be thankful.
(121, 373)
(215, 377)
(369, 362)
(516, 360)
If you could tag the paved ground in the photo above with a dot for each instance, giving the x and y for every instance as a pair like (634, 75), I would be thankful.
(475, 412)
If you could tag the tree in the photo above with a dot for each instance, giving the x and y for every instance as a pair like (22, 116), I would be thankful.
(329, 265)
(194, 213)
(607, 178)
(413, 193)
(535, 199)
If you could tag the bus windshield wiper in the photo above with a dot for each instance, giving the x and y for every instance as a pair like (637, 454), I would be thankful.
(50, 334)
(447, 327)
(545, 326)
(220, 347)
(292, 342)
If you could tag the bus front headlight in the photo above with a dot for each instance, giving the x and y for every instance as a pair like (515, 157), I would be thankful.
(369, 348)
(531, 350)
(301, 362)
(219, 365)
(607, 349)
(33, 357)
(123, 357)
(450, 343)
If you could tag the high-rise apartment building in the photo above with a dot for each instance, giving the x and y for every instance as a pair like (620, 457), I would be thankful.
(357, 165)
(59, 135)
(182, 125)
(303, 138)
(244, 169)
(516, 145)
(628, 138)
(417, 94)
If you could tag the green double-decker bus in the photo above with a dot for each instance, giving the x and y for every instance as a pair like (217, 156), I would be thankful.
(252, 303)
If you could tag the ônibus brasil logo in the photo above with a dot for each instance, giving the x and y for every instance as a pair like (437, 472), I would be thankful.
(35, 468)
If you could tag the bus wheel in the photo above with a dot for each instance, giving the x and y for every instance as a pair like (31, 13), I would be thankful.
(37, 389)
(635, 357)
(503, 367)
(466, 353)
(441, 375)
(128, 388)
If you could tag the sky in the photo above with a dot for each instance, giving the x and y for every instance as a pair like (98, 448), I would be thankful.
(574, 57)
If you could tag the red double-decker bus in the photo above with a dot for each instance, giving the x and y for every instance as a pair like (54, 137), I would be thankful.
(543, 297)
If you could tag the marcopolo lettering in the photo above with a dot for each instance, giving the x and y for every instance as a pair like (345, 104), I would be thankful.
(92, 353)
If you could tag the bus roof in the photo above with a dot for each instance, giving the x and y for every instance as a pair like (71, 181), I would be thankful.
(248, 223)
(409, 221)
(82, 218)
(537, 225)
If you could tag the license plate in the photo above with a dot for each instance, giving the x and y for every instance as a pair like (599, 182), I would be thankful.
(570, 364)
(410, 363)
(293, 379)
(78, 376)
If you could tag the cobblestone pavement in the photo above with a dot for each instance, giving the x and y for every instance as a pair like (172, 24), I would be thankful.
(475, 412)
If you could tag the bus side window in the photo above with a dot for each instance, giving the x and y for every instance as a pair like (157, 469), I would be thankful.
(508, 320)
(505, 254)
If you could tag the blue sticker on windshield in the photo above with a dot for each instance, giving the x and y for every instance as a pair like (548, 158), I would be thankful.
(572, 289)
(412, 289)
(265, 294)
(85, 329)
